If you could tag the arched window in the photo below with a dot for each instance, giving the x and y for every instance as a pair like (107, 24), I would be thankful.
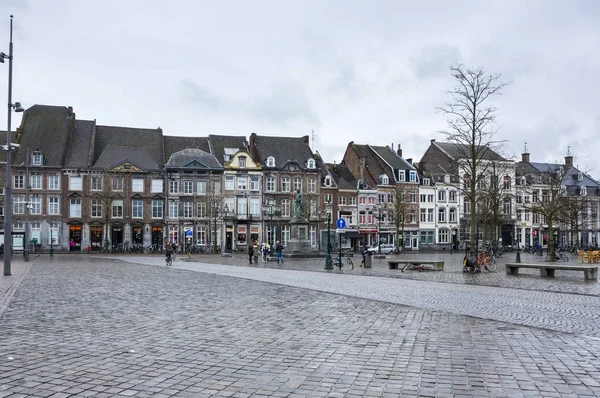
(310, 164)
(270, 161)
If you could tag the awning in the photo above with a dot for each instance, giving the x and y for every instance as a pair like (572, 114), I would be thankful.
(368, 231)
(351, 234)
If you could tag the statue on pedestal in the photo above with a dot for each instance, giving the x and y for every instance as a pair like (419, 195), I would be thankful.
(298, 205)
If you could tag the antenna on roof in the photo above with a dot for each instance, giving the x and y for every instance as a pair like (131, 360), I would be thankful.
(569, 150)
(313, 139)
(525, 149)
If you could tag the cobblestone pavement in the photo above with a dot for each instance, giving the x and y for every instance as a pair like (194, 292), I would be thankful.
(88, 326)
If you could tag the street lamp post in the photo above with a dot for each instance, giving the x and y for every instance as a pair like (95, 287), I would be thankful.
(270, 210)
(328, 262)
(7, 193)
(51, 238)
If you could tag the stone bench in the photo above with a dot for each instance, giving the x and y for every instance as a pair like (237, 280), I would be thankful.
(590, 272)
(435, 264)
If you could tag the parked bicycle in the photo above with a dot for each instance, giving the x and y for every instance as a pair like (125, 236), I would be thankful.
(339, 262)
(557, 257)
(480, 260)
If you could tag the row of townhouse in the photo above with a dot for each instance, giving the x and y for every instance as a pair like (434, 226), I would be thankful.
(93, 185)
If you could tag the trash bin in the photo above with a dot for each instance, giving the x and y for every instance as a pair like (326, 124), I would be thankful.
(368, 259)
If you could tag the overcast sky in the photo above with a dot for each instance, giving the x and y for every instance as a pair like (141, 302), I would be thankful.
(370, 71)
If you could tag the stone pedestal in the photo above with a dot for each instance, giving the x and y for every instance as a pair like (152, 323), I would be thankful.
(299, 243)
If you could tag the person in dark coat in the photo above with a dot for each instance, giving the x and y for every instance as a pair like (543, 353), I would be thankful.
(250, 252)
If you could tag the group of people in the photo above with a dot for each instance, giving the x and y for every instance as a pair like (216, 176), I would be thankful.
(264, 250)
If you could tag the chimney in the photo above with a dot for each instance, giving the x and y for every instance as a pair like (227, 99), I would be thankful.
(409, 160)
(432, 140)
(525, 155)
(399, 151)
(252, 147)
(569, 158)
(306, 140)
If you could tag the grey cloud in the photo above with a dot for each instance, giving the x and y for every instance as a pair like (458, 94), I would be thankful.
(286, 103)
(346, 80)
(433, 61)
(199, 95)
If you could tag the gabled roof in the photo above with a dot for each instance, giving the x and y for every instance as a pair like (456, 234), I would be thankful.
(142, 147)
(392, 158)
(46, 128)
(457, 151)
(81, 144)
(193, 157)
(342, 176)
(175, 144)
(283, 149)
(222, 145)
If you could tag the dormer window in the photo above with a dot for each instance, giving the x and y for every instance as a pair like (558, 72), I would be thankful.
(328, 181)
(563, 189)
(242, 161)
(583, 191)
(36, 159)
(446, 178)
(426, 181)
(310, 164)
(270, 161)
(385, 180)
(226, 157)
(413, 176)
(401, 176)
(523, 181)
(580, 176)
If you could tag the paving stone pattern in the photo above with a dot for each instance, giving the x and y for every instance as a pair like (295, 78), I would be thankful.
(84, 326)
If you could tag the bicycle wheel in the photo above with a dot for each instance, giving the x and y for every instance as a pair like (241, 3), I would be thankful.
(471, 269)
(350, 263)
(564, 257)
(491, 265)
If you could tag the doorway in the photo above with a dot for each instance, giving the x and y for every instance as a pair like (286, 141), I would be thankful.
(116, 236)
(96, 238)
(75, 238)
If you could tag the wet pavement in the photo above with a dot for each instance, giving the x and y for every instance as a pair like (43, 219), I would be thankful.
(213, 326)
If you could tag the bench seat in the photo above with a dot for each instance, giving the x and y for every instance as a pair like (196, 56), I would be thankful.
(436, 265)
(590, 272)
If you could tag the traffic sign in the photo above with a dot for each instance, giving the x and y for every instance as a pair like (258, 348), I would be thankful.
(188, 232)
(340, 223)
(340, 231)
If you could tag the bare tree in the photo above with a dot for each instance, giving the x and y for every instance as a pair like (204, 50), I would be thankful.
(107, 196)
(472, 127)
(491, 197)
(398, 210)
(553, 203)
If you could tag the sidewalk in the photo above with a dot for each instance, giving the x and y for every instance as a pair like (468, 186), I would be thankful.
(10, 283)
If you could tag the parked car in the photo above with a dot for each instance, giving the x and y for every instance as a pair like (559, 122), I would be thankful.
(386, 248)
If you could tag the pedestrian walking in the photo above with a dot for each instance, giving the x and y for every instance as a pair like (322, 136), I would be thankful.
(250, 252)
(265, 252)
(365, 249)
(72, 244)
(279, 251)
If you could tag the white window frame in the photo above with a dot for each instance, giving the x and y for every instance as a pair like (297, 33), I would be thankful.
(201, 187)
(96, 208)
(96, 183)
(156, 186)
(137, 208)
(297, 184)
(254, 184)
(36, 205)
(53, 205)
(117, 184)
(35, 181)
(157, 209)
(75, 183)
(75, 207)
(286, 184)
(270, 161)
(116, 209)
(54, 182)
(229, 183)
(137, 185)
(36, 159)
(174, 187)
(188, 187)
(271, 183)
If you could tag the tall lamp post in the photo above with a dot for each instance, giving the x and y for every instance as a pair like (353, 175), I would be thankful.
(379, 216)
(51, 238)
(328, 262)
(7, 194)
(270, 210)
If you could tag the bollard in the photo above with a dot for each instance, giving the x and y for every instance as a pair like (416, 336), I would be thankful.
(518, 259)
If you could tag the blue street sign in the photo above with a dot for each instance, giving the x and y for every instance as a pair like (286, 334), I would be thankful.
(340, 223)
(188, 232)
